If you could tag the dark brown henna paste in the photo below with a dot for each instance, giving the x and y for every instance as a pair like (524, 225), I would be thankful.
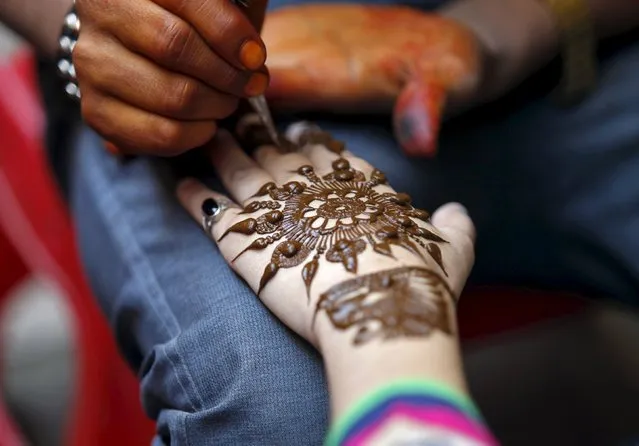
(264, 190)
(314, 136)
(402, 302)
(335, 217)
(377, 177)
(308, 274)
(346, 252)
(342, 171)
(436, 253)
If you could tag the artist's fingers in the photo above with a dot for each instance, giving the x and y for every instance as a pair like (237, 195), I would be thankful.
(135, 131)
(281, 166)
(239, 173)
(196, 199)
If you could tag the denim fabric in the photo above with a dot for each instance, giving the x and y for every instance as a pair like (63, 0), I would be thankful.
(554, 194)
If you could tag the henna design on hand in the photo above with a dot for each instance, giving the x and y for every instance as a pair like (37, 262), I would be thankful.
(402, 302)
(335, 217)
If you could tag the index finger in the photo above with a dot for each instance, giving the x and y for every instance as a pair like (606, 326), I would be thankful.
(225, 27)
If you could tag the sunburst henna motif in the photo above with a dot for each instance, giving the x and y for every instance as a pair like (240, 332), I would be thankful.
(335, 217)
(402, 302)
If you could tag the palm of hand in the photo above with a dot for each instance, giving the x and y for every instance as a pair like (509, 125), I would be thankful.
(366, 57)
(331, 239)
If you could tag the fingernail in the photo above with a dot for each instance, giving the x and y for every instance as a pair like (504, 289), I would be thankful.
(252, 55)
(111, 148)
(256, 85)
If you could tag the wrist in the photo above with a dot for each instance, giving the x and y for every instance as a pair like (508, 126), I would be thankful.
(37, 21)
(45, 35)
(518, 37)
(50, 44)
(353, 370)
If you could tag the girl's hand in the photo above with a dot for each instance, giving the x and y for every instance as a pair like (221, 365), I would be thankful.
(156, 75)
(328, 245)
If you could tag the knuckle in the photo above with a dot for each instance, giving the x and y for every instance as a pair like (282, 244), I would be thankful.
(92, 112)
(179, 6)
(183, 97)
(168, 135)
(228, 25)
(81, 53)
(88, 63)
(172, 40)
(95, 115)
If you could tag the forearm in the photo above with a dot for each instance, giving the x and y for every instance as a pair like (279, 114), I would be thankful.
(522, 36)
(37, 21)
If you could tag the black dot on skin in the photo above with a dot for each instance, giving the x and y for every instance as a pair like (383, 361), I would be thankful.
(209, 207)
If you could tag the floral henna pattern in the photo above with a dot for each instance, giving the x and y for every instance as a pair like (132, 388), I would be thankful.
(335, 217)
(402, 302)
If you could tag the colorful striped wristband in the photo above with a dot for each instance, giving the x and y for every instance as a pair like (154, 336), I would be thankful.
(426, 402)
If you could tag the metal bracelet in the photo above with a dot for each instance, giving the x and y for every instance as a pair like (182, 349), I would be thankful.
(66, 45)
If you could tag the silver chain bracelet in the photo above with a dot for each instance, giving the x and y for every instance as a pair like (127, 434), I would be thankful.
(66, 45)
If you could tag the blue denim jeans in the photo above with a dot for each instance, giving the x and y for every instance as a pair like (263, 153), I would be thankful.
(554, 194)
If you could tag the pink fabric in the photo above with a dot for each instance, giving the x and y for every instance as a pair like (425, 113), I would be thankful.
(439, 417)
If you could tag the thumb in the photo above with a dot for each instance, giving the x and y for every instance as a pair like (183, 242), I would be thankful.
(453, 219)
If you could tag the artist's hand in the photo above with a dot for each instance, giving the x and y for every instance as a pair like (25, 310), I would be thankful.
(328, 246)
(156, 75)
